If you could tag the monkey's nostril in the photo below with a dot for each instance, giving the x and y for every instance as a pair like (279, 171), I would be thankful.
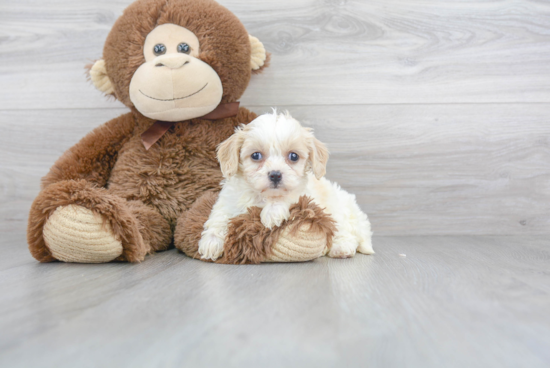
(172, 62)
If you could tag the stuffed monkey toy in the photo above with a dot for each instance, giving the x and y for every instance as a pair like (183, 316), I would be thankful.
(120, 193)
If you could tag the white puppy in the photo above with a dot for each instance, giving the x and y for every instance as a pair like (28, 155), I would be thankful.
(270, 163)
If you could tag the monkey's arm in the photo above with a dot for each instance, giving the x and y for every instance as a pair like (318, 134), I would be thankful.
(93, 158)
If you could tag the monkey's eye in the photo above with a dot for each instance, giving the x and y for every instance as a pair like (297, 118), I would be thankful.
(256, 156)
(293, 156)
(159, 49)
(184, 48)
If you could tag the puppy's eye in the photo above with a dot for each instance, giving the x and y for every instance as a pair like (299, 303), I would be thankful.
(293, 156)
(256, 156)
(159, 49)
(184, 48)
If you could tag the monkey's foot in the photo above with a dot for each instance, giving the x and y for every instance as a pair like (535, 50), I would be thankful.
(303, 245)
(75, 234)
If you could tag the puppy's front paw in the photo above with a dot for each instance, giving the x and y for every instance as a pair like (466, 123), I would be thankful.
(270, 221)
(343, 248)
(211, 247)
(274, 215)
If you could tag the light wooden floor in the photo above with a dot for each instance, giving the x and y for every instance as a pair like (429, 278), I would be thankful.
(453, 301)
(437, 114)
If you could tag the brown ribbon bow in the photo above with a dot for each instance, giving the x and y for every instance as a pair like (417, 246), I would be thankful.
(157, 130)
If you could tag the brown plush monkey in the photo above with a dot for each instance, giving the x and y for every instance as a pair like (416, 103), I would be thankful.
(180, 66)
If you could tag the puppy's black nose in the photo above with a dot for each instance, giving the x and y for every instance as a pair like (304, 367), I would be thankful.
(275, 176)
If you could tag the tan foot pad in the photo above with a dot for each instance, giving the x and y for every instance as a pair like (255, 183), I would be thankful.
(75, 234)
(304, 246)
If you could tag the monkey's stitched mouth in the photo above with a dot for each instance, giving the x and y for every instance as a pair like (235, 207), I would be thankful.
(174, 99)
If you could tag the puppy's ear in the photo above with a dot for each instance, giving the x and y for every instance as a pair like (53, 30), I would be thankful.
(228, 153)
(318, 154)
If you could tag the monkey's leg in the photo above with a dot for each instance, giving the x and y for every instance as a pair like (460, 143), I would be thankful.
(154, 229)
(74, 221)
(191, 224)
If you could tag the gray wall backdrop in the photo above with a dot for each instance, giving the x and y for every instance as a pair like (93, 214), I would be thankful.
(436, 112)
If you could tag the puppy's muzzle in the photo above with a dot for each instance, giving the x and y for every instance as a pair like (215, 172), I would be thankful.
(275, 177)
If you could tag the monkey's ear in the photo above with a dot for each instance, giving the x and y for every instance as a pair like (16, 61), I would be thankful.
(259, 58)
(318, 154)
(228, 153)
(100, 79)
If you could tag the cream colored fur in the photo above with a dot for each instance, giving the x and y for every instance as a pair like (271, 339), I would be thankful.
(275, 137)
(259, 55)
(174, 86)
(100, 79)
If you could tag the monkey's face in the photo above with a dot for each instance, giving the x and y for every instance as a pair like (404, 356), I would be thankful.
(175, 60)
(174, 84)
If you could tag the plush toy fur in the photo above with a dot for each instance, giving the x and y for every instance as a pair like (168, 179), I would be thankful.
(225, 43)
(309, 230)
(140, 195)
